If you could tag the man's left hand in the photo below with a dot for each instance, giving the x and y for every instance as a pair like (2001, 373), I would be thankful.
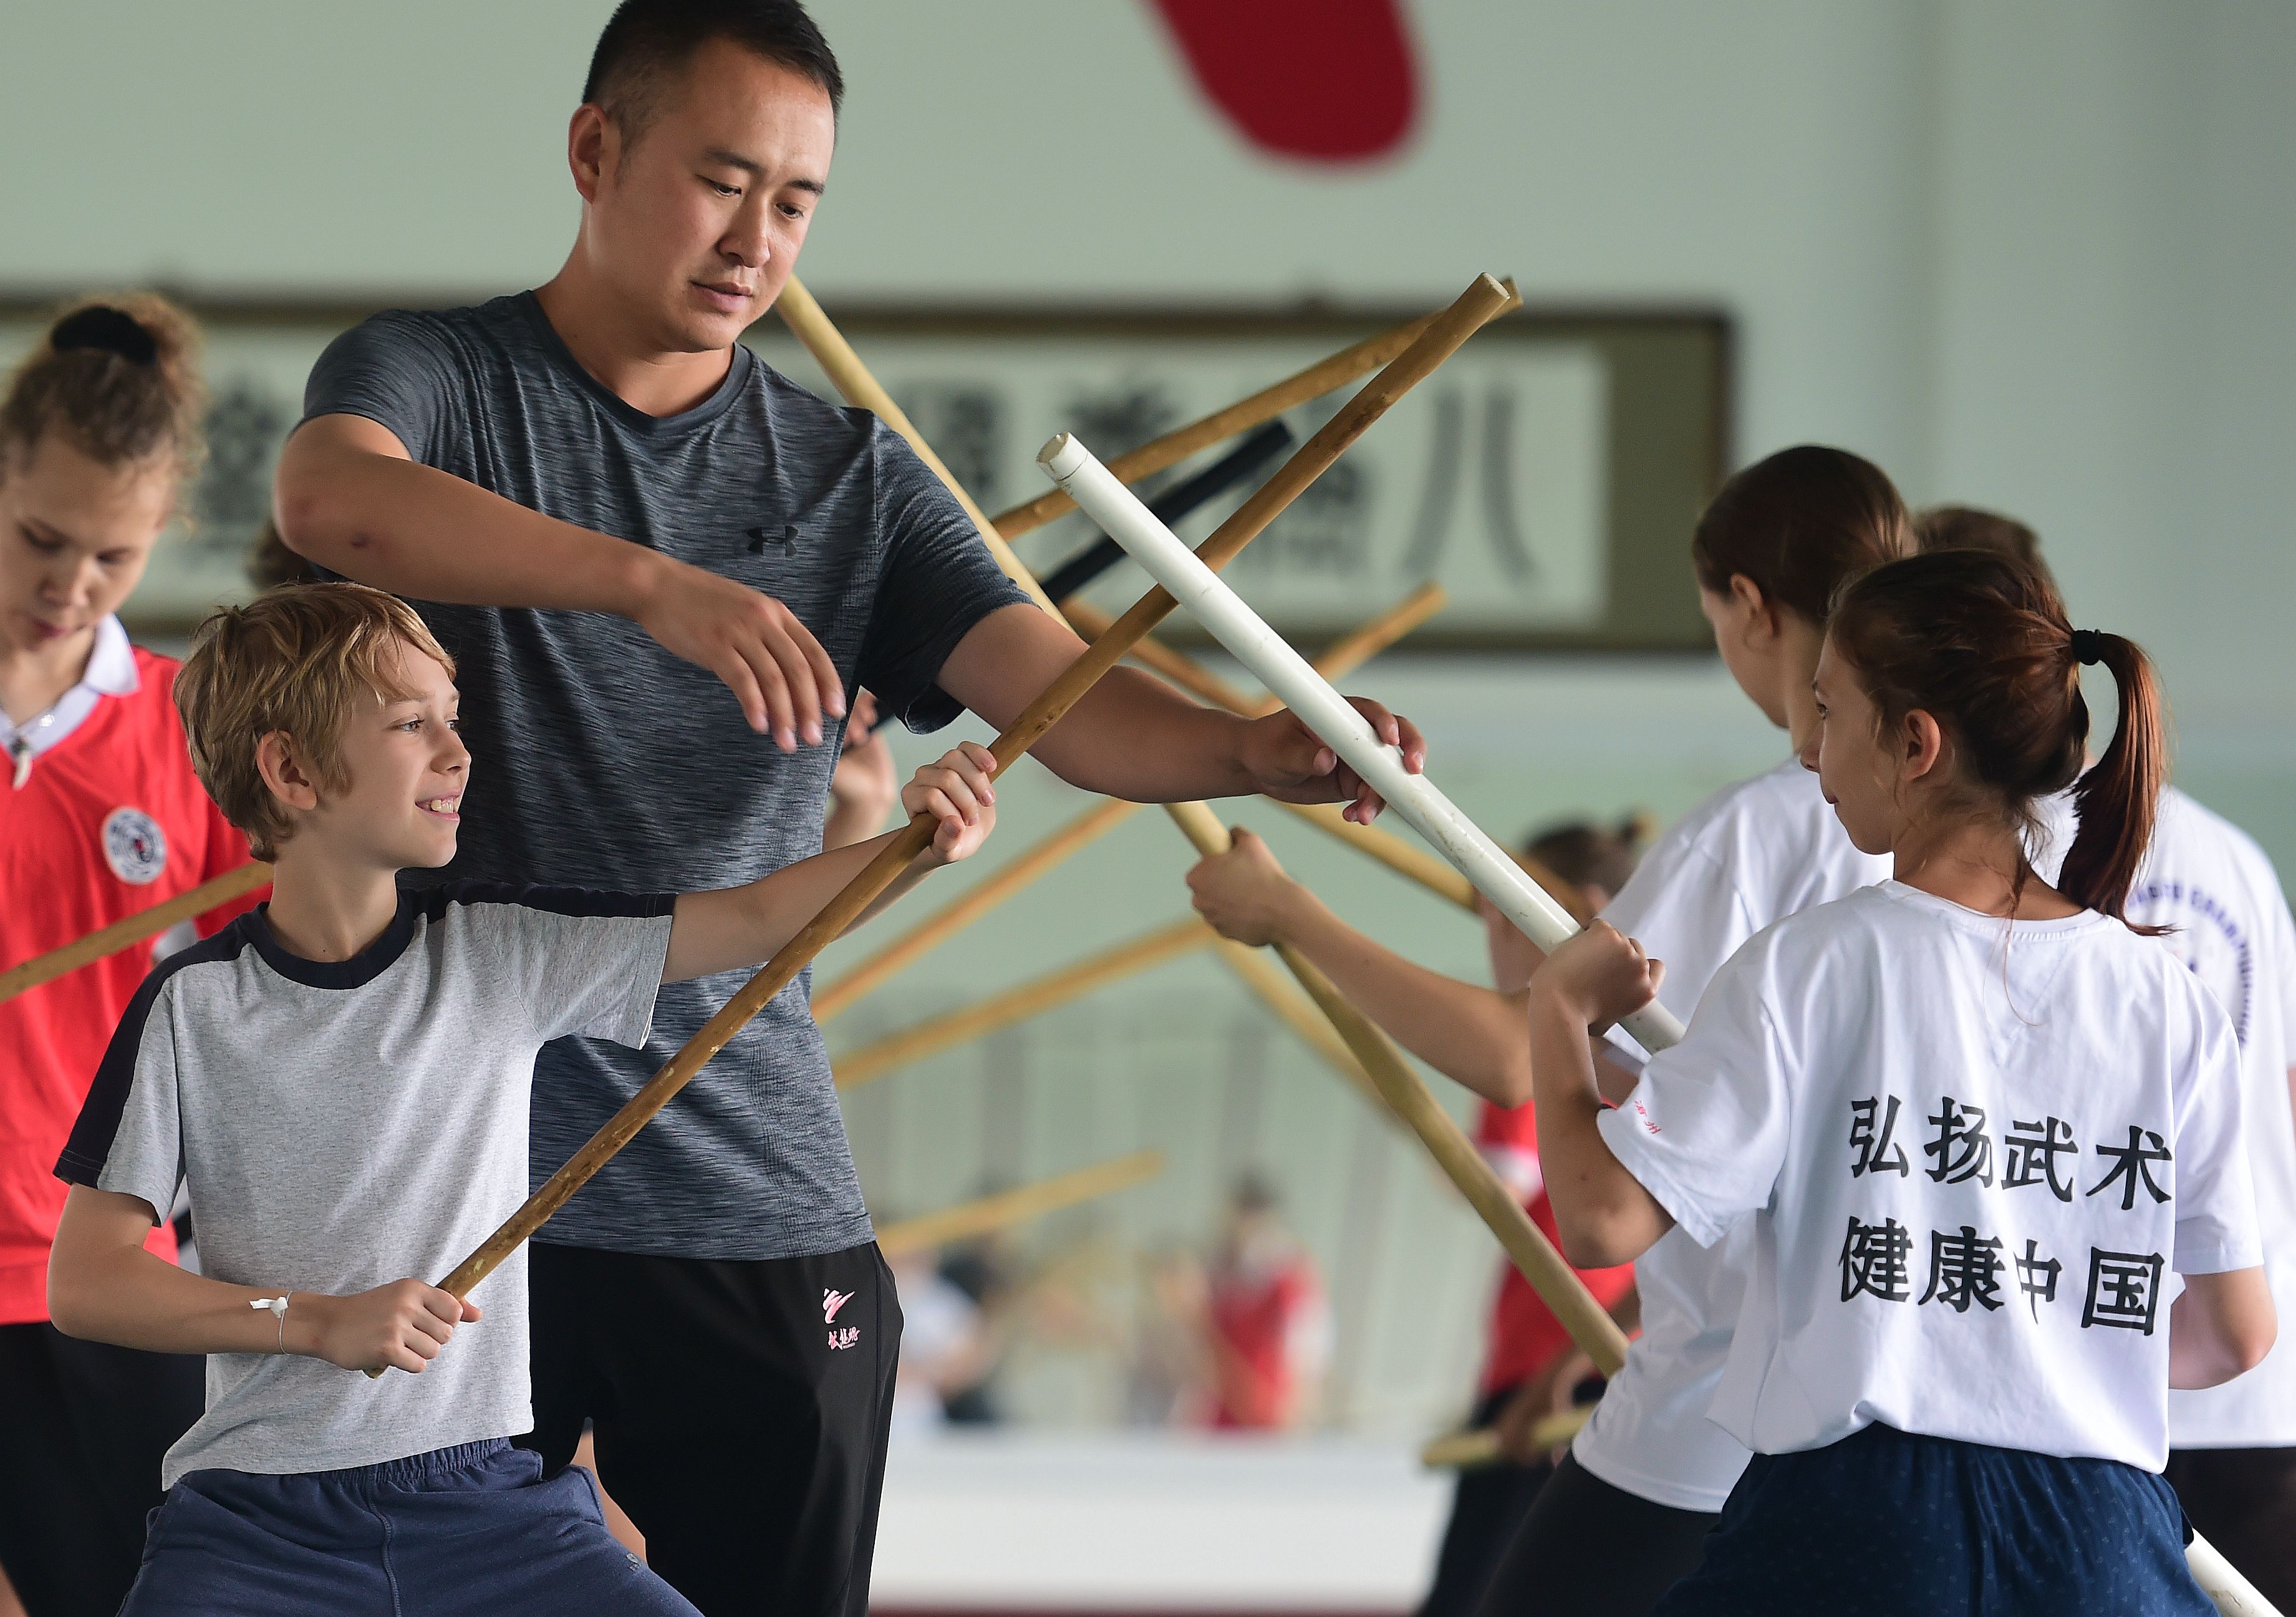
(1286, 761)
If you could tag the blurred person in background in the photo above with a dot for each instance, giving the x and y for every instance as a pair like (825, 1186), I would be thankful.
(943, 1342)
(100, 816)
(1267, 1327)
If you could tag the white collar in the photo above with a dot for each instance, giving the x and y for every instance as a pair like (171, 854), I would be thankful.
(110, 671)
(111, 666)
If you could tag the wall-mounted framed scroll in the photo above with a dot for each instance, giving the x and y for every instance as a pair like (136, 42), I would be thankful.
(1548, 475)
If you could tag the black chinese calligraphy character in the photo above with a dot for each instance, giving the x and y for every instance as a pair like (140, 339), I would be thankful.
(2124, 1291)
(2037, 1278)
(1965, 1268)
(1446, 469)
(2131, 1164)
(2029, 1152)
(1962, 1149)
(1875, 1154)
(1325, 532)
(1873, 1258)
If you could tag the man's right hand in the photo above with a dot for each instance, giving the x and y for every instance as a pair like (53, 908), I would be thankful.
(771, 662)
(398, 1326)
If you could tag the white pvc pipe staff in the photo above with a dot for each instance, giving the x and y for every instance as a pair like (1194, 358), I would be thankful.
(1283, 670)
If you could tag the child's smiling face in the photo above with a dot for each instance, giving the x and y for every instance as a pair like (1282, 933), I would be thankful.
(401, 767)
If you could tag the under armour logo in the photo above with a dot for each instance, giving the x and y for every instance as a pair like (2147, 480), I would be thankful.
(785, 540)
(831, 1302)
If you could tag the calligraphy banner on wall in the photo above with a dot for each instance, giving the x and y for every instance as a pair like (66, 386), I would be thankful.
(1547, 476)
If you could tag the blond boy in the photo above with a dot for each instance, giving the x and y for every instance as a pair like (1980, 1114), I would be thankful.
(342, 1079)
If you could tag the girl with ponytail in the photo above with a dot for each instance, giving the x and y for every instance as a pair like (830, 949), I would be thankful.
(1650, 1470)
(100, 817)
(1972, 1124)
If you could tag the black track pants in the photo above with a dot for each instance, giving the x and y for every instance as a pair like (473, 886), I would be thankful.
(740, 1409)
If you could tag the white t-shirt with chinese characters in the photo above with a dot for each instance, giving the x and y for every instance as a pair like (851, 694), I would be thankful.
(2209, 880)
(1972, 1156)
(1748, 856)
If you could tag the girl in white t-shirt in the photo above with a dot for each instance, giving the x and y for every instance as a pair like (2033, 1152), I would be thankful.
(1651, 1471)
(1974, 1123)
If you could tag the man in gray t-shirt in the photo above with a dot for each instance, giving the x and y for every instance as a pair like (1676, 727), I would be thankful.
(606, 505)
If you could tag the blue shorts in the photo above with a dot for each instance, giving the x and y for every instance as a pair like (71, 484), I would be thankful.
(473, 1530)
(1887, 1522)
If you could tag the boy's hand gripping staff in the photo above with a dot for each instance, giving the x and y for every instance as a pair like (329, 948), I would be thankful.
(1433, 345)
(1260, 648)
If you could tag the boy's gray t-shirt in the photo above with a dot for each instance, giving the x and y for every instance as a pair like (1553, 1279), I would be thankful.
(344, 1124)
(602, 760)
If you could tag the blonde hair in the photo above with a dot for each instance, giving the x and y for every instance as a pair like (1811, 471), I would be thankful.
(118, 377)
(297, 661)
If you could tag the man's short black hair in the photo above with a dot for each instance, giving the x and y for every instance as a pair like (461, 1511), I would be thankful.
(647, 42)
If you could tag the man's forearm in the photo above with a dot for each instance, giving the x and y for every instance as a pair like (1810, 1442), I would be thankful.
(418, 532)
(1135, 738)
(1473, 1035)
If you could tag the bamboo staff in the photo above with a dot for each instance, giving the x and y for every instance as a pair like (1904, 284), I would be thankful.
(1573, 1305)
(1399, 1085)
(984, 896)
(1440, 338)
(985, 1217)
(1260, 648)
(108, 940)
(1480, 1446)
(1343, 658)
(1269, 402)
(1557, 1285)
(880, 1056)
(846, 373)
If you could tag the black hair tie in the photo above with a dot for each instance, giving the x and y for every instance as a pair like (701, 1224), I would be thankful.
(2087, 646)
(107, 330)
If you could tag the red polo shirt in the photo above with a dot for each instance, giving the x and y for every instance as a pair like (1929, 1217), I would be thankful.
(1525, 1336)
(107, 821)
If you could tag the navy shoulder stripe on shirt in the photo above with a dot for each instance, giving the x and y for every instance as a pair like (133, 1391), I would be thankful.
(90, 1144)
(552, 900)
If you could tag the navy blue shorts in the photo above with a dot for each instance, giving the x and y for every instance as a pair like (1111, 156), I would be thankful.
(473, 1530)
(1887, 1522)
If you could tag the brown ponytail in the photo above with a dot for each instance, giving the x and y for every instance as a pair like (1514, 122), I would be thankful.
(1797, 524)
(119, 378)
(1979, 641)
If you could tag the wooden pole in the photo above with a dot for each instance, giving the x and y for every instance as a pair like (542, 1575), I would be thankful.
(108, 940)
(850, 377)
(880, 1056)
(1343, 658)
(1442, 336)
(969, 1220)
(1542, 1266)
(1269, 402)
(1590, 1325)
(1480, 1446)
(979, 900)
